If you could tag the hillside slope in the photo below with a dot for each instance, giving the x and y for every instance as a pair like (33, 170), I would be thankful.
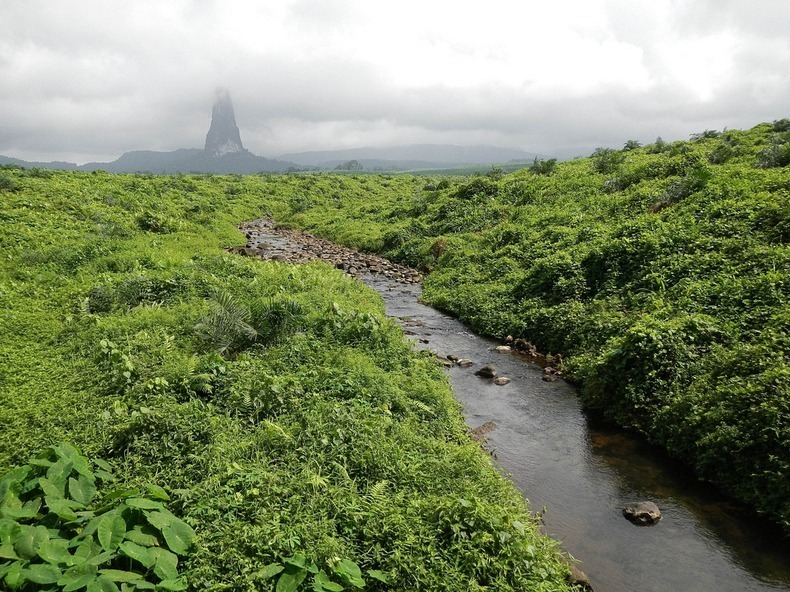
(661, 274)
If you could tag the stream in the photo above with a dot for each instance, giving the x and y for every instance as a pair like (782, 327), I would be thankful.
(579, 475)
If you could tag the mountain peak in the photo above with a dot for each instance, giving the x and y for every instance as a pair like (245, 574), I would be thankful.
(223, 135)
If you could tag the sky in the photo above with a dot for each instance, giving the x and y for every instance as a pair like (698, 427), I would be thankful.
(85, 80)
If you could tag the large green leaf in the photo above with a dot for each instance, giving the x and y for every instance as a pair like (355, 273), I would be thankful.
(7, 551)
(79, 462)
(269, 571)
(138, 553)
(158, 492)
(379, 575)
(350, 572)
(166, 566)
(77, 577)
(179, 536)
(102, 584)
(143, 535)
(29, 540)
(51, 488)
(9, 530)
(85, 550)
(144, 503)
(42, 573)
(60, 471)
(172, 585)
(13, 575)
(12, 481)
(82, 489)
(161, 519)
(29, 509)
(63, 508)
(322, 583)
(55, 551)
(111, 531)
(290, 579)
(119, 575)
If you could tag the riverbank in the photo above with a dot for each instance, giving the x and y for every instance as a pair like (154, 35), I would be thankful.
(659, 273)
(287, 420)
(581, 474)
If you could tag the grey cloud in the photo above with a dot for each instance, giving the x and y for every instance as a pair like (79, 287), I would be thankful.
(76, 88)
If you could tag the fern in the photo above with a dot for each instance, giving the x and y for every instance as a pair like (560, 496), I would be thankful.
(227, 326)
(274, 319)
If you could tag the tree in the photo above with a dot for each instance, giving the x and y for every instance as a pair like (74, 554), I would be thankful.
(544, 167)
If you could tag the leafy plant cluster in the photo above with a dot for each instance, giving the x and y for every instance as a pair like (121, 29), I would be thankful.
(57, 532)
(294, 427)
(659, 272)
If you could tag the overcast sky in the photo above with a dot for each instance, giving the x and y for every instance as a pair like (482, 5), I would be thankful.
(85, 80)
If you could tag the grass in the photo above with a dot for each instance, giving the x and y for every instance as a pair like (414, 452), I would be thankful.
(291, 424)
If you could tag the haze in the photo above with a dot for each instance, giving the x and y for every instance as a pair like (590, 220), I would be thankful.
(89, 80)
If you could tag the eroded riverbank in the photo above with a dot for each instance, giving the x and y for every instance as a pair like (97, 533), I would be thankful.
(580, 473)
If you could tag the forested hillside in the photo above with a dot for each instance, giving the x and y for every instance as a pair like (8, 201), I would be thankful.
(176, 416)
(660, 273)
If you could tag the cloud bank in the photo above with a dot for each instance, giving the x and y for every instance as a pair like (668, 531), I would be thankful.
(89, 80)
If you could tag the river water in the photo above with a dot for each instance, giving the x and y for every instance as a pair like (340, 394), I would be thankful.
(581, 475)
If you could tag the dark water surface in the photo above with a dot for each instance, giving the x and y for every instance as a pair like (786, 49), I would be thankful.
(583, 474)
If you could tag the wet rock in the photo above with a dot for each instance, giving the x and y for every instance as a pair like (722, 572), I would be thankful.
(501, 380)
(464, 363)
(525, 347)
(549, 378)
(579, 579)
(504, 349)
(452, 358)
(642, 513)
(480, 431)
(487, 371)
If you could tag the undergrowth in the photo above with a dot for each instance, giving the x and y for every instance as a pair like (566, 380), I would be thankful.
(274, 410)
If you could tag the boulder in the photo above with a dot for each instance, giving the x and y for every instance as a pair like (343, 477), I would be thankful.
(501, 380)
(642, 513)
(487, 371)
(464, 363)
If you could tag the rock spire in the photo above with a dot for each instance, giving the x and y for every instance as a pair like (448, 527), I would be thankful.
(223, 135)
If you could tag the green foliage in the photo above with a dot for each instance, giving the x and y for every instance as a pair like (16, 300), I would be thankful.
(778, 152)
(606, 160)
(60, 530)
(660, 273)
(232, 326)
(544, 167)
(318, 432)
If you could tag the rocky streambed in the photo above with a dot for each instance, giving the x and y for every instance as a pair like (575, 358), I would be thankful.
(278, 243)
(587, 481)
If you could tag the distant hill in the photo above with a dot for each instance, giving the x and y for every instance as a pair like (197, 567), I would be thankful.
(190, 161)
(408, 157)
(178, 161)
(56, 164)
(244, 162)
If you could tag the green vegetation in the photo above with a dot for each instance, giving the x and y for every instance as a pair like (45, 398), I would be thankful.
(661, 273)
(262, 426)
(49, 507)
